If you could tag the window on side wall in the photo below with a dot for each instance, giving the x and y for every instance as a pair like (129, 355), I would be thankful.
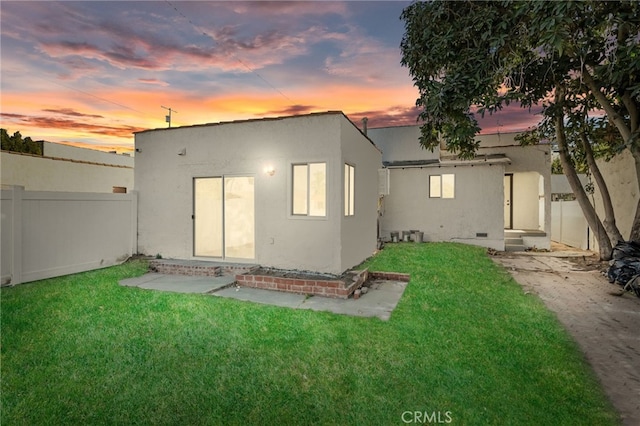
(309, 197)
(349, 190)
(442, 186)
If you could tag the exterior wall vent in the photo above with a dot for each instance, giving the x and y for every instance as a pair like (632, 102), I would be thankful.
(481, 235)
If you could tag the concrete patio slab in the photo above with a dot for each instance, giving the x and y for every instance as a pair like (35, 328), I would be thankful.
(266, 297)
(381, 299)
(179, 283)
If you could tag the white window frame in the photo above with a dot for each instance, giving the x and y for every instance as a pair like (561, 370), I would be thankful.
(438, 188)
(307, 210)
(349, 190)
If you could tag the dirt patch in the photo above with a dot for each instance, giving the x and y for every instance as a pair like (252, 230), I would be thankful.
(589, 263)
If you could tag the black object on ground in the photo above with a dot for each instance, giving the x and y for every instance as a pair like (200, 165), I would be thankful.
(624, 268)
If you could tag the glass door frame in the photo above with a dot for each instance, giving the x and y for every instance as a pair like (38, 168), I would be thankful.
(224, 179)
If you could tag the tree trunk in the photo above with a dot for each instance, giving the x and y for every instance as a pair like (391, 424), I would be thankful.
(609, 222)
(634, 235)
(616, 119)
(628, 133)
(588, 210)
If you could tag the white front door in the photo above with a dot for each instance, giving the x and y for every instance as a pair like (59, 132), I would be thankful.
(508, 195)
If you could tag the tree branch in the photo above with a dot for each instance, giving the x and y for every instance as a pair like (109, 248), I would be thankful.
(609, 222)
(632, 108)
(604, 243)
(616, 118)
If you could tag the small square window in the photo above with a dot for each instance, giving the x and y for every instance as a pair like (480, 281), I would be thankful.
(442, 186)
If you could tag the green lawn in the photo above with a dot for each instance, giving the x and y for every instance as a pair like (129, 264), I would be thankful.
(464, 341)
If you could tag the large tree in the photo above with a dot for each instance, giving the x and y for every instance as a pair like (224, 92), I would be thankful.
(17, 143)
(575, 59)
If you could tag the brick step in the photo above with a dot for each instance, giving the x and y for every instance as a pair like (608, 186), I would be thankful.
(201, 268)
(181, 267)
(341, 288)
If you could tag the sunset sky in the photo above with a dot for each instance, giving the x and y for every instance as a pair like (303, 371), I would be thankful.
(91, 73)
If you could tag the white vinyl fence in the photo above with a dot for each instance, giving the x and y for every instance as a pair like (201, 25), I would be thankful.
(568, 225)
(48, 234)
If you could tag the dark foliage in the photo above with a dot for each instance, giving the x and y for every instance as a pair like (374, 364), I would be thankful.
(17, 143)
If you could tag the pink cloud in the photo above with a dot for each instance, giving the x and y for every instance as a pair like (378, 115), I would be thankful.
(292, 110)
(390, 117)
(153, 43)
(71, 112)
(68, 124)
(512, 118)
(289, 9)
(153, 81)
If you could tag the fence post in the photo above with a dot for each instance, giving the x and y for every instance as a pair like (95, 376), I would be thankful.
(17, 194)
(561, 216)
(134, 222)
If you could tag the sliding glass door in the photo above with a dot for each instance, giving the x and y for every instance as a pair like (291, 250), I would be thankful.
(224, 217)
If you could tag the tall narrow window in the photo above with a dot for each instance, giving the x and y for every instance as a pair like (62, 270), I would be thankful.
(448, 186)
(349, 190)
(435, 183)
(300, 189)
(309, 195)
(442, 186)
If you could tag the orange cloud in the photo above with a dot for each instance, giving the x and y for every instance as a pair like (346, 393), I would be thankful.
(48, 122)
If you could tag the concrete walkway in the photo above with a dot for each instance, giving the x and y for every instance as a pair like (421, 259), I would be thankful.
(179, 283)
(379, 301)
(604, 323)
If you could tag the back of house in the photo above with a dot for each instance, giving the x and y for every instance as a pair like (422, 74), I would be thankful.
(499, 199)
(289, 192)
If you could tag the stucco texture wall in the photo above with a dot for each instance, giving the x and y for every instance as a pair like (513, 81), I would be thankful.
(59, 150)
(476, 208)
(359, 232)
(531, 195)
(622, 182)
(401, 144)
(164, 180)
(46, 174)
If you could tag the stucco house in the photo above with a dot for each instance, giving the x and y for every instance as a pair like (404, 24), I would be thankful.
(500, 199)
(291, 192)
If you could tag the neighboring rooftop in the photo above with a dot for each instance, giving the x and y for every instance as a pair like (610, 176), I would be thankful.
(249, 120)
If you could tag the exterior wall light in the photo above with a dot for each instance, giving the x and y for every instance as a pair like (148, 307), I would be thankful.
(270, 170)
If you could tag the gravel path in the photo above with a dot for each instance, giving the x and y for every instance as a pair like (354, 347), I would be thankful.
(605, 324)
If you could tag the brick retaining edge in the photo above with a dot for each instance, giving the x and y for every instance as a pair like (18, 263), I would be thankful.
(340, 289)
